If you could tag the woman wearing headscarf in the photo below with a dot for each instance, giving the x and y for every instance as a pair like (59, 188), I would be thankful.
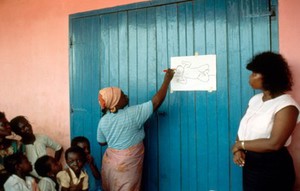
(121, 129)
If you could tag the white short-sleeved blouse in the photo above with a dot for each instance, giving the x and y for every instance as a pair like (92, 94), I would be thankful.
(259, 118)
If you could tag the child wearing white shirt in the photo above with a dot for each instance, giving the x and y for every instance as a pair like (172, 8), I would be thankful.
(47, 167)
(19, 167)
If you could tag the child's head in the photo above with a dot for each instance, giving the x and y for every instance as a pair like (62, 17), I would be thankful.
(82, 142)
(5, 130)
(4, 125)
(47, 166)
(17, 164)
(21, 126)
(75, 158)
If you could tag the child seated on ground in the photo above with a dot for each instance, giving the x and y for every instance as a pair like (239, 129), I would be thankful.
(90, 167)
(19, 168)
(47, 167)
(74, 177)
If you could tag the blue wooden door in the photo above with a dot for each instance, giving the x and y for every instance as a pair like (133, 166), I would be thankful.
(188, 141)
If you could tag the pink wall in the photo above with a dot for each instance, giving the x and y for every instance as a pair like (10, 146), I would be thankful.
(289, 40)
(34, 60)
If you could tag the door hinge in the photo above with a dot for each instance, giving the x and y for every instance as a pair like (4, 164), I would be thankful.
(71, 42)
(270, 13)
(256, 11)
(72, 110)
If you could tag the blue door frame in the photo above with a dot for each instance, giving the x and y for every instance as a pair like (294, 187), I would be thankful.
(188, 141)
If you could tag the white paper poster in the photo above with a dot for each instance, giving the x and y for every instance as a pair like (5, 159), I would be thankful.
(194, 73)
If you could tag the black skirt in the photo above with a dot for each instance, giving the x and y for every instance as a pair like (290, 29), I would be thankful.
(272, 171)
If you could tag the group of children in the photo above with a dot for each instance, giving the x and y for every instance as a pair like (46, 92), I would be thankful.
(25, 165)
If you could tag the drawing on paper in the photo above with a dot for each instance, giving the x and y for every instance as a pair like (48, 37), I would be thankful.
(194, 73)
(185, 71)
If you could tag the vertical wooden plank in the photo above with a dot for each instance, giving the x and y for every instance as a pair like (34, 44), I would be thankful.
(261, 26)
(274, 26)
(123, 51)
(172, 109)
(94, 113)
(152, 52)
(142, 69)
(75, 73)
(192, 120)
(142, 56)
(246, 51)
(132, 43)
(151, 140)
(113, 50)
(104, 58)
(211, 101)
(163, 130)
(201, 101)
(234, 87)
(104, 52)
(184, 101)
(192, 157)
(224, 144)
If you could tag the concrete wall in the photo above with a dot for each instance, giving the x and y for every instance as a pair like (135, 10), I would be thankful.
(289, 40)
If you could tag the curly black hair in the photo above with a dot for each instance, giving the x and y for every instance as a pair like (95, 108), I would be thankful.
(11, 161)
(2, 115)
(43, 166)
(277, 77)
(80, 139)
(14, 124)
(77, 150)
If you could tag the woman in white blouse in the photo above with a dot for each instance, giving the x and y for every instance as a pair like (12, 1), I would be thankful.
(265, 129)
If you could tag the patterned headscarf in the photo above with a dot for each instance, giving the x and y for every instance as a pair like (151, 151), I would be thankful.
(111, 97)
